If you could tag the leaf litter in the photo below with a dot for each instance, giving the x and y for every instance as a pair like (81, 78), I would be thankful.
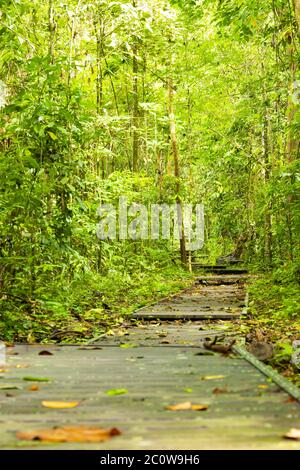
(187, 405)
(69, 434)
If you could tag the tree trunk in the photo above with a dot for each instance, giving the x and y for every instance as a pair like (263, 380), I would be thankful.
(135, 108)
(267, 173)
(297, 13)
(183, 253)
(52, 29)
(99, 79)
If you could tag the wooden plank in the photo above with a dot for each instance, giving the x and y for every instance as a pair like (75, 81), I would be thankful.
(212, 301)
(252, 414)
(185, 315)
(220, 270)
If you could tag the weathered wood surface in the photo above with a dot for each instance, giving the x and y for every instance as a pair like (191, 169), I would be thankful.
(219, 269)
(160, 363)
(214, 297)
(252, 414)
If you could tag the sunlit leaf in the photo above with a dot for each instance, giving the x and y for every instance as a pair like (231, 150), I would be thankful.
(60, 404)
(117, 391)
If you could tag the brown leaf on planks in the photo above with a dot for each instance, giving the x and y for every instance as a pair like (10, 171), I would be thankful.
(293, 434)
(60, 404)
(33, 388)
(218, 391)
(290, 400)
(69, 434)
(45, 353)
(187, 405)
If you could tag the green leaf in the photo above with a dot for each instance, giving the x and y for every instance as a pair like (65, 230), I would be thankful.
(9, 387)
(36, 379)
(52, 135)
(128, 345)
(116, 391)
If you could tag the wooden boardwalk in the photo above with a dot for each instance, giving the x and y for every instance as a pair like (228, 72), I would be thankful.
(158, 364)
(215, 297)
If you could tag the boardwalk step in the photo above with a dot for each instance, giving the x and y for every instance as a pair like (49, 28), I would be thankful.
(211, 298)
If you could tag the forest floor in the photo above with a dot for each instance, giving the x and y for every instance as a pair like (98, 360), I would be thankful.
(129, 378)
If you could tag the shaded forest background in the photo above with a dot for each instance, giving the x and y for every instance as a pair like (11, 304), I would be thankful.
(85, 91)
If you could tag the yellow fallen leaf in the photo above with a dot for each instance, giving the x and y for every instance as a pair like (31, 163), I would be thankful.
(293, 434)
(187, 405)
(69, 434)
(60, 404)
(34, 388)
(199, 407)
(212, 377)
(263, 386)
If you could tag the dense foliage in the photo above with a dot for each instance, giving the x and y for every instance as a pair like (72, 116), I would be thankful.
(85, 90)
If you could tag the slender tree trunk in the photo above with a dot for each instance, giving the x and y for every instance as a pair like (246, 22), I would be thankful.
(100, 32)
(71, 47)
(99, 78)
(292, 147)
(183, 253)
(135, 112)
(266, 174)
(267, 171)
(135, 108)
(52, 29)
(160, 173)
(297, 13)
(292, 142)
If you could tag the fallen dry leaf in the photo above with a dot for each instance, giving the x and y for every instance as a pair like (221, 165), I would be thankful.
(69, 434)
(293, 434)
(60, 404)
(199, 407)
(187, 405)
(218, 391)
(34, 388)
(45, 353)
(290, 400)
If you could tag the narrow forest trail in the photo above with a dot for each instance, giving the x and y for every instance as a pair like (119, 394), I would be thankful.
(151, 365)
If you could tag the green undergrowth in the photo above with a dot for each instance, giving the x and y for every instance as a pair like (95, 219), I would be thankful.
(275, 312)
(86, 307)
